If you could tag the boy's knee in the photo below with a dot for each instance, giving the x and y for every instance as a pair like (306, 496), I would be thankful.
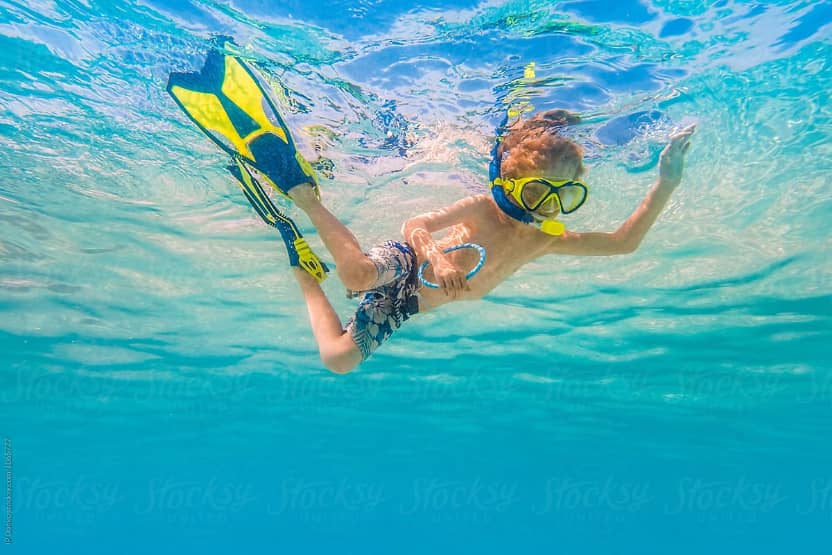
(339, 364)
(359, 276)
(341, 359)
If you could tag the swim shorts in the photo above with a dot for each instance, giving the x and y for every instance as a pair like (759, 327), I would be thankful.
(391, 300)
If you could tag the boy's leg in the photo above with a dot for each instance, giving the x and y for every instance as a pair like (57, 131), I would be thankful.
(339, 352)
(354, 268)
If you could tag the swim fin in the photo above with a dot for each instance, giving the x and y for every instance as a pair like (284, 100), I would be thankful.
(229, 102)
(300, 254)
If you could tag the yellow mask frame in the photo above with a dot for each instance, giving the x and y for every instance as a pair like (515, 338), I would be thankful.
(516, 187)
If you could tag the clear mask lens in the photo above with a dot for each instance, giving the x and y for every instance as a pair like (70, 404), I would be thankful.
(571, 197)
(533, 193)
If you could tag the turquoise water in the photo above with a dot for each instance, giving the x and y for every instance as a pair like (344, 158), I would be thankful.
(160, 386)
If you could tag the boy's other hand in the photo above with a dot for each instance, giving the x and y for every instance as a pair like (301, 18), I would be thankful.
(672, 160)
(451, 280)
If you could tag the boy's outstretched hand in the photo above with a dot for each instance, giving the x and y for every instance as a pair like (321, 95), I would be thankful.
(672, 160)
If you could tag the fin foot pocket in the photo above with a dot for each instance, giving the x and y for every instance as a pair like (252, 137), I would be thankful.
(300, 254)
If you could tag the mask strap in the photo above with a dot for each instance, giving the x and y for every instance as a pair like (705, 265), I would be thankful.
(509, 207)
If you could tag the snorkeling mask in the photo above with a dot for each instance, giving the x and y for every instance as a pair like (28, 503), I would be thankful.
(541, 194)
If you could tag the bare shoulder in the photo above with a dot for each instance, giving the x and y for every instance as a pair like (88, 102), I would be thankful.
(480, 201)
(483, 204)
(471, 209)
(476, 207)
(483, 211)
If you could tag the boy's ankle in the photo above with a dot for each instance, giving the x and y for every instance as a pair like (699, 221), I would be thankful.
(303, 195)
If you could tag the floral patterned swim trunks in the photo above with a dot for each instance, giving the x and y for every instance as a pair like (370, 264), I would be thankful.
(391, 300)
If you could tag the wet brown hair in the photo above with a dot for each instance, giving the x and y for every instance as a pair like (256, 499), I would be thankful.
(536, 144)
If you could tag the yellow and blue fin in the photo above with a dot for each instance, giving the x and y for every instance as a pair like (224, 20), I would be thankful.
(300, 254)
(228, 101)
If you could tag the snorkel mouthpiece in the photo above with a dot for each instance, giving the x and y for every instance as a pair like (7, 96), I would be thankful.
(552, 227)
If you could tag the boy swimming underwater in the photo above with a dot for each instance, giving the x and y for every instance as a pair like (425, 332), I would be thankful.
(536, 176)
(539, 176)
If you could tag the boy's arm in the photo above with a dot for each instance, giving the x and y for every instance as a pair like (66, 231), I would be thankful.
(417, 231)
(628, 237)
